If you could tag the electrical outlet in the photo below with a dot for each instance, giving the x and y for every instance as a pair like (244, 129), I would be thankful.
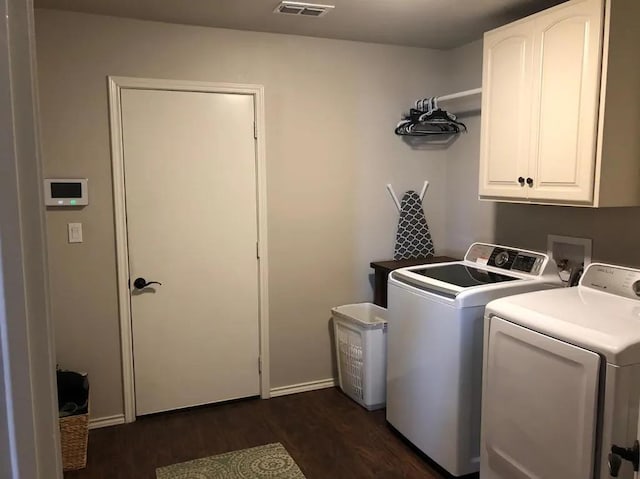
(573, 251)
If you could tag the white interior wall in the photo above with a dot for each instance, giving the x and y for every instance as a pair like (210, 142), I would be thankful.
(330, 111)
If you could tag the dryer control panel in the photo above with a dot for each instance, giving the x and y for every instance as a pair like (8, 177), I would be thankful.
(521, 261)
(612, 279)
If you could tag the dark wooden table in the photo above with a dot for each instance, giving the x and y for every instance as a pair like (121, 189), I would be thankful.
(383, 268)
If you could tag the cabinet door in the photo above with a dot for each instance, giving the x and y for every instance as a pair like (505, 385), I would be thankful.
(567, 62)
(506, 110)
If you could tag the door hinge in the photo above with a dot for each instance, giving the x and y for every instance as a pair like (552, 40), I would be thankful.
(257, 250)
(259, 365)
(255, 130)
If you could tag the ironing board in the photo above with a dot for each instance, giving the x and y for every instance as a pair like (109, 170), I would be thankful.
(413, 239)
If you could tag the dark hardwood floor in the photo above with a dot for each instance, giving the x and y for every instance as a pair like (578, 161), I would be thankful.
(327, 434)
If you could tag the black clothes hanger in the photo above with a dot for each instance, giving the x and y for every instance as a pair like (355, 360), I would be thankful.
(427, 119)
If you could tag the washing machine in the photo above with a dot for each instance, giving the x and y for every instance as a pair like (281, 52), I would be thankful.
(561, 380)
(434, 346)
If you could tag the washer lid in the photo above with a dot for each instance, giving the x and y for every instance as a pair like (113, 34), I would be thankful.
(607, 323)
(453, 280)
(462, 275)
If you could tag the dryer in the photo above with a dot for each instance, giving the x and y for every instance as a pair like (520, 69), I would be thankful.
(561, 382)
(434, 346)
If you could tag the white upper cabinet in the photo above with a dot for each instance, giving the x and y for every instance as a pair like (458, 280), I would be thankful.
(546, 82)
(506, 110)
(565, 102)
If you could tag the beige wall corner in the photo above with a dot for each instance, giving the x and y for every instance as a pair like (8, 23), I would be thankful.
(468, 219)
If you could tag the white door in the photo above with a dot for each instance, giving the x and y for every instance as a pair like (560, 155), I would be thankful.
(506, 111)
(190, 175)
(567, 52)
(540, 403)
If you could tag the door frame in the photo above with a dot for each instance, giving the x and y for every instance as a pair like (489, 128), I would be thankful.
(116, 84)
(29, 429)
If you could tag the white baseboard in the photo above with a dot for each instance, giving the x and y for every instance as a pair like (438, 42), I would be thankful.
(303, 387)
(275, 392)
(106, 421)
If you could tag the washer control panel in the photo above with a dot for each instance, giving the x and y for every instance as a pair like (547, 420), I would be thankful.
(612, 279)
(506, 258)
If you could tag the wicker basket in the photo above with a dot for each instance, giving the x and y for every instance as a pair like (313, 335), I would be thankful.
(74, 436)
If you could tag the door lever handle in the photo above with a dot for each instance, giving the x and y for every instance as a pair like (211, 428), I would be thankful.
(631, 454)
(614, 464)
(141, 283)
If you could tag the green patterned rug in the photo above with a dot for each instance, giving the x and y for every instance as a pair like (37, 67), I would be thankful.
(270, 461)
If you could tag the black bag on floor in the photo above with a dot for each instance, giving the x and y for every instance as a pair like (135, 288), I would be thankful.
(73, 393)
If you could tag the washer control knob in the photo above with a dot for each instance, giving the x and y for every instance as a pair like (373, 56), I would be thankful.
(636, 287)
(502, 258)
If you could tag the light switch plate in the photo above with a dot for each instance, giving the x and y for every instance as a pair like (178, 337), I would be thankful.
(75, 232)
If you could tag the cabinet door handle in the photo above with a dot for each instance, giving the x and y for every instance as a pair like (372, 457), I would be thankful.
(530, 181)
(521, 181)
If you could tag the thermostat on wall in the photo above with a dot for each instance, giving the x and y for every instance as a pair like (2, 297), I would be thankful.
(66, 192)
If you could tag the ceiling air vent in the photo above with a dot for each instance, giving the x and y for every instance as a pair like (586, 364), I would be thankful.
(306, 9)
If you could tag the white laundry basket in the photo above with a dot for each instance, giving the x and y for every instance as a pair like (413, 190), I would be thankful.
(361, 350)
